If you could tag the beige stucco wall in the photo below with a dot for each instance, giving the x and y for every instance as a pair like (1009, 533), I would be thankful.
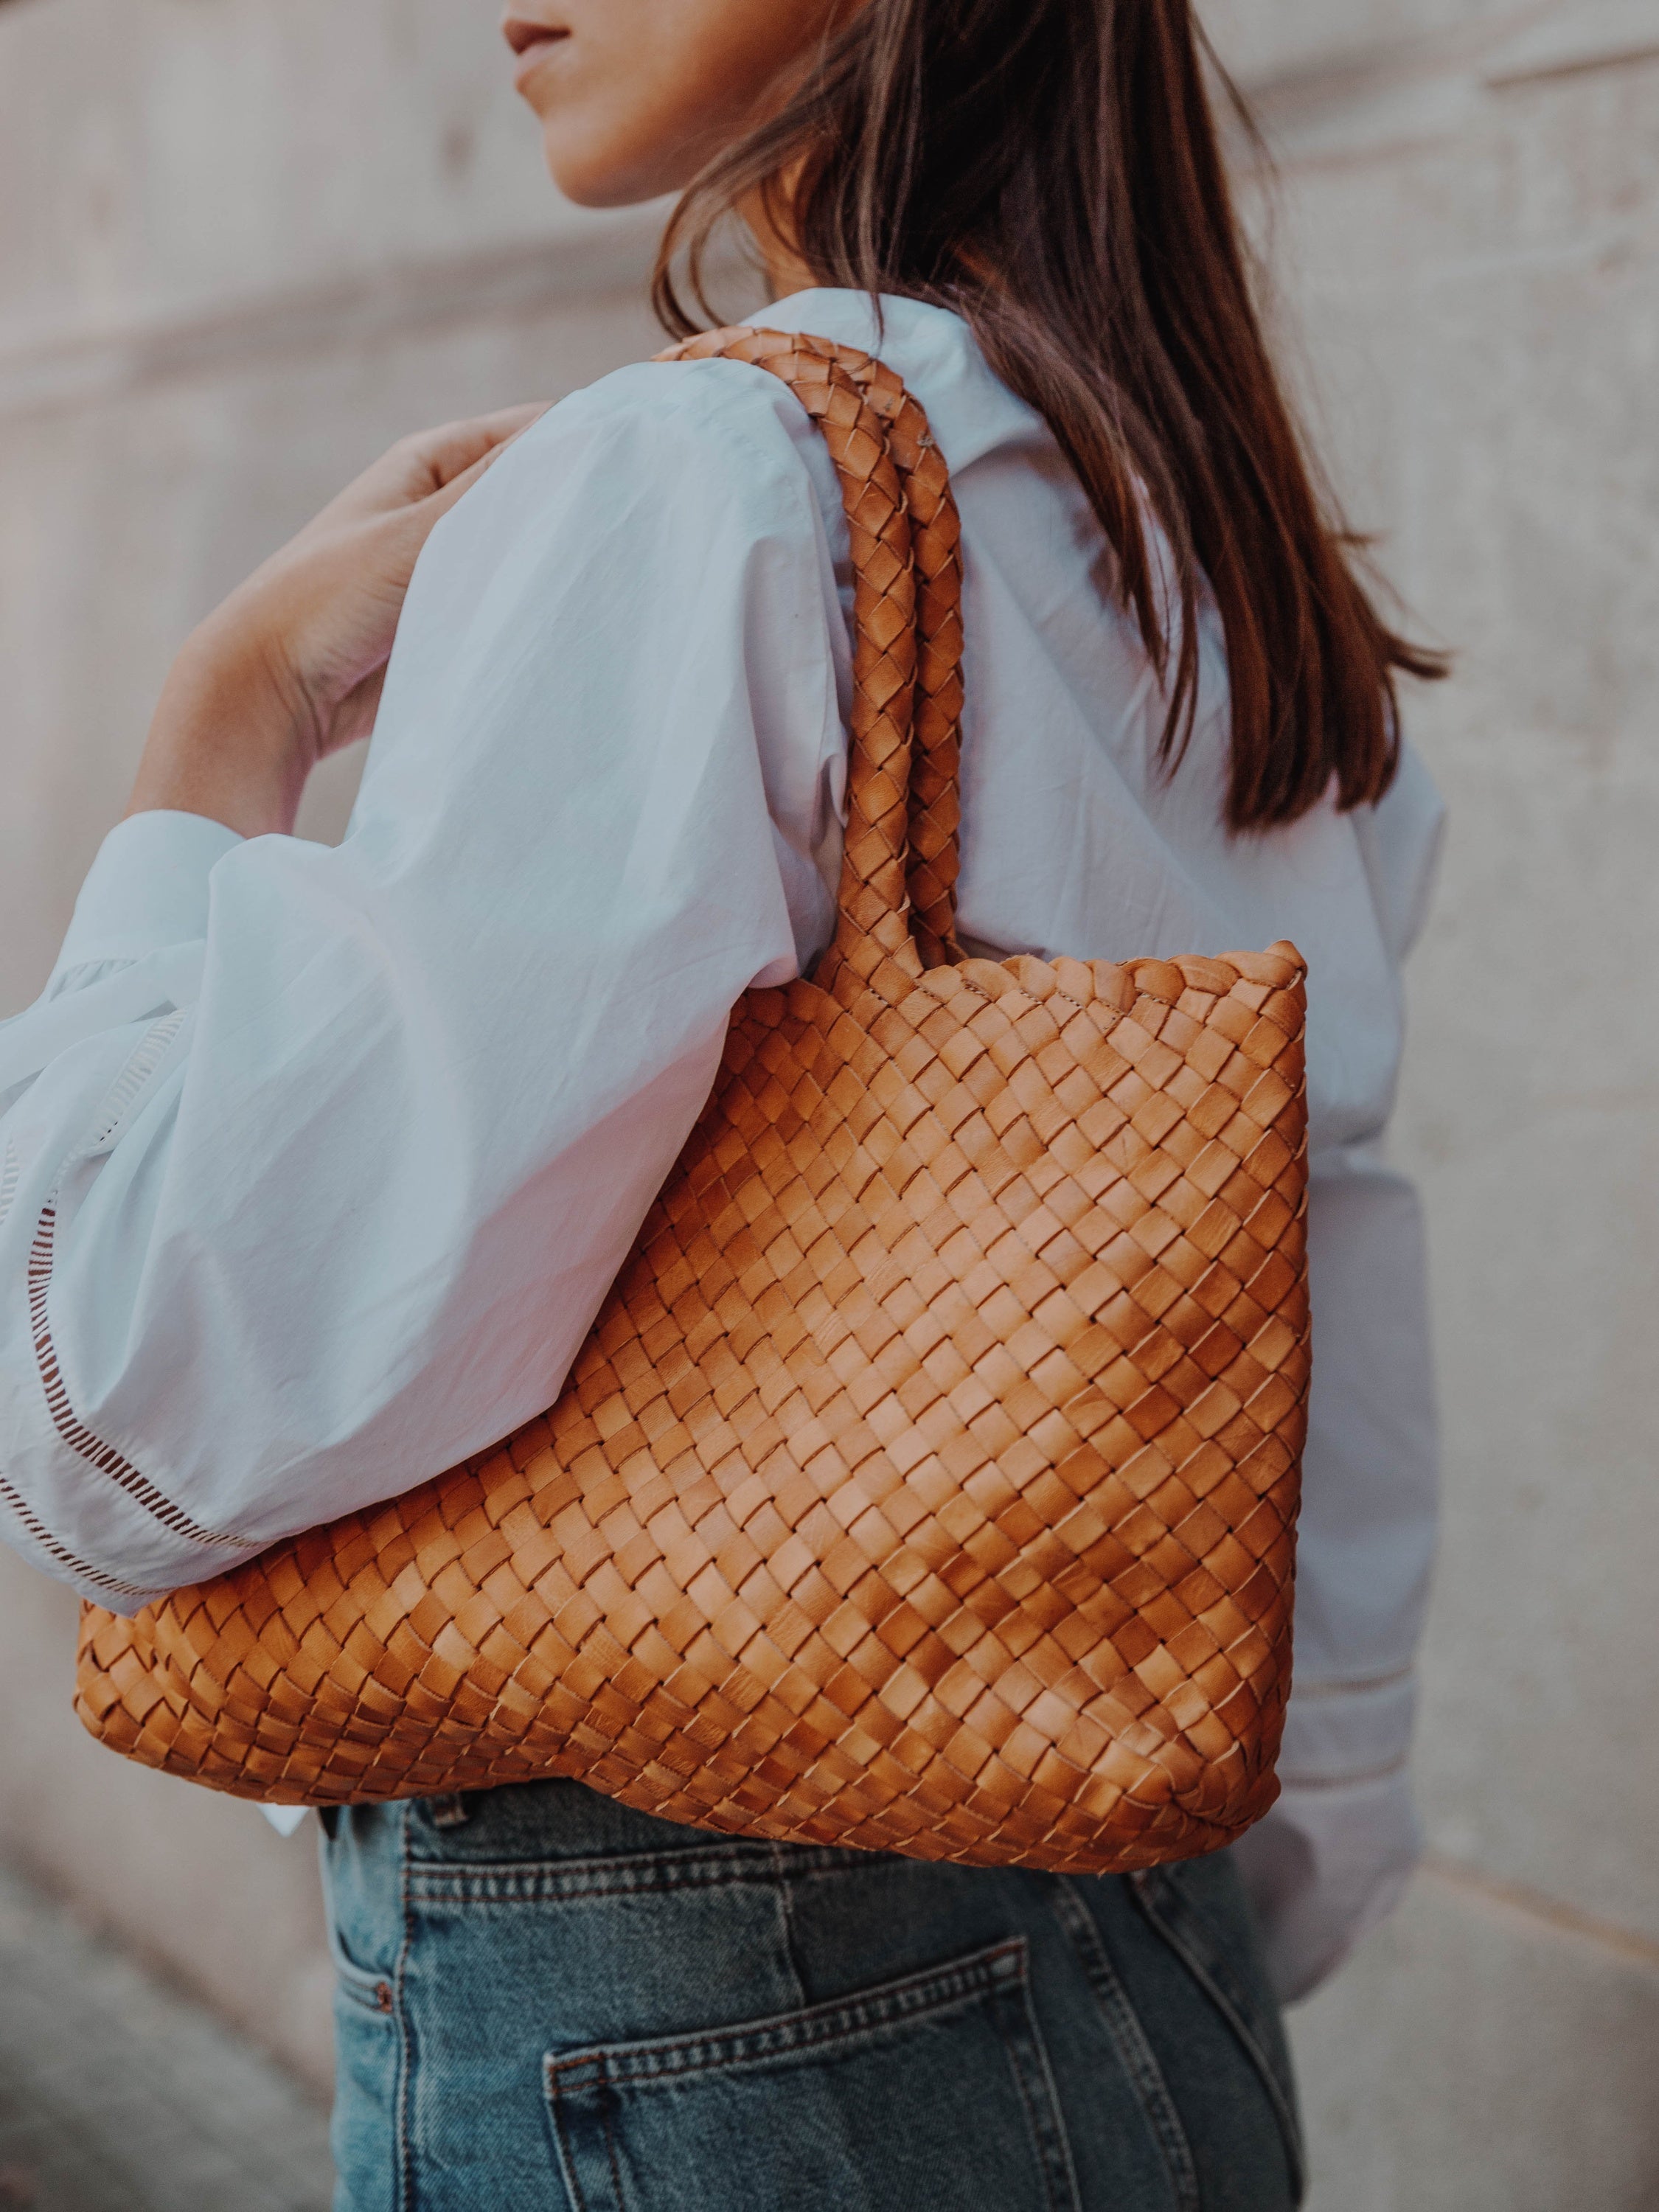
(242, 245)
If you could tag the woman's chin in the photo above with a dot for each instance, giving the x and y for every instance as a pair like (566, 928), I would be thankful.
(602, 176)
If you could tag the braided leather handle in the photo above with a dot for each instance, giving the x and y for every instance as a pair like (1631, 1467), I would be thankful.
(899, 874)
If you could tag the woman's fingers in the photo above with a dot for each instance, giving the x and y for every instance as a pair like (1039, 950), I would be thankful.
(429, 462)
(349, 573)
(457, 449)
(444, 495)
(293, 662)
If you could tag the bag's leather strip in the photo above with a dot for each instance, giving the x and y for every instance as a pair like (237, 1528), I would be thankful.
(934, 814)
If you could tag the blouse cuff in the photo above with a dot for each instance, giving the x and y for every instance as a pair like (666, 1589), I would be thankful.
(1323, 1868)
(146, 889)
(1347, 1731)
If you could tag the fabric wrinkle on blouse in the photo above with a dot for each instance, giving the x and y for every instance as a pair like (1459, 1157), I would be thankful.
(316, 1164)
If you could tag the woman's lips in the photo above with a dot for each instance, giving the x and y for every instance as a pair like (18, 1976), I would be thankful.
(532, 43)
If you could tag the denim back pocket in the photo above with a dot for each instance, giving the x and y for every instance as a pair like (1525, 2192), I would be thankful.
(925, 2092)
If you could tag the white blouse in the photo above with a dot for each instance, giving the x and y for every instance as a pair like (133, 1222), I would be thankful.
(315, 1164)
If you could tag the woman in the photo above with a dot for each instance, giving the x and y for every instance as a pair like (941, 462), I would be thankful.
(296, 1138)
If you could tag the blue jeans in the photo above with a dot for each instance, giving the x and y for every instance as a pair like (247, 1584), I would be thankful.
(547, 2000)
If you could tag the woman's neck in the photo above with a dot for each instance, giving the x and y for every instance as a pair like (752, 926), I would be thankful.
(765, 210)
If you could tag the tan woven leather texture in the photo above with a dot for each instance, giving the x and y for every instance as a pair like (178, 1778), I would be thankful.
(929, 1479)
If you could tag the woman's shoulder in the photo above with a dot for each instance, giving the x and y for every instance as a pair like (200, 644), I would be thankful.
(718, 431)
(634, 491)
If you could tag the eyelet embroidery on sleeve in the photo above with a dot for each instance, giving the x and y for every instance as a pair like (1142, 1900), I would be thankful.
(80, 1439)
(74, 1433)
(136, 1075)
(49, 1544)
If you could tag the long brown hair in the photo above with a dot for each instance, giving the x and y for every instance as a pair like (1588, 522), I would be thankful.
(1051, 170)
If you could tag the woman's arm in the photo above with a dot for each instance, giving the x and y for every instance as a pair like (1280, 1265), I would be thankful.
(321, 1161)
(1334, 1856)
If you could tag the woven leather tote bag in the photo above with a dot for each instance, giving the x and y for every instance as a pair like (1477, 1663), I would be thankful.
(928, 1480)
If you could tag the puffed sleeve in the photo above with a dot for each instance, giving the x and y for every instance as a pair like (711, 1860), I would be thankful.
(316, 1164)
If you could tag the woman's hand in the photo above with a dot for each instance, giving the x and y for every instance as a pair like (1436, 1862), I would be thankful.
(289, 668)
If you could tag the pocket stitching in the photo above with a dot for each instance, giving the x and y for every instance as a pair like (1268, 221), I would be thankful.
(1049, 2140)
(675, 2058)
(1165, 1923)
(360, 1985)
(562, 1881)
(372, 1997)
(568, 2160)
(406, 2175)
(989, 1977)
(1130, 2040)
